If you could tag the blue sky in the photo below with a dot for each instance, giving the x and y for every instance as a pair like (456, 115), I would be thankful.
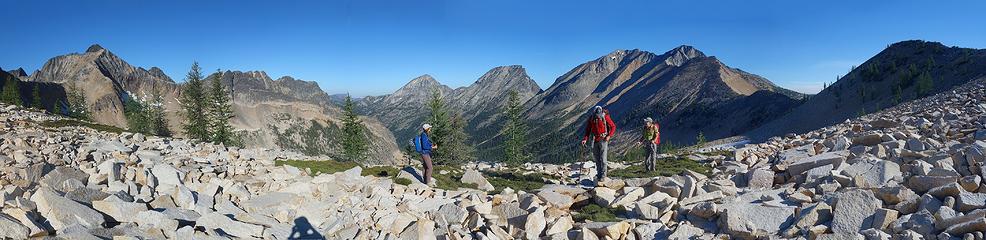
(374, 47)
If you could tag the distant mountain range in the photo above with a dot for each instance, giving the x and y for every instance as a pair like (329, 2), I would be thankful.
(686, 91)
(683, 89)
(286, 113)
(480, 103)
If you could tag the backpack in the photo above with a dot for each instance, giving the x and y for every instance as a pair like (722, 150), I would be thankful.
(593, 119)
(417, 144)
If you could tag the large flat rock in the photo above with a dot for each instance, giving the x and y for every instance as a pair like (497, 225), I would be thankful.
(62, 212)
(853, 211)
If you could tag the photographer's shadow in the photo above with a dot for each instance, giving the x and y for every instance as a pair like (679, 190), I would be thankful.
(303, 230)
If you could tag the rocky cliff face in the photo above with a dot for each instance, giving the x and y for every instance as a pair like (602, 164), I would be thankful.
(901, 72)
(19, 72)
(684, 90)
(107, 81)
(259, 102)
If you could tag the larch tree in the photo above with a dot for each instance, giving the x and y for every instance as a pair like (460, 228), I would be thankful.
(194, 104)
(156, 119)
(220, 111)
(36, 97)
(354, 142)
(11, 93)
(514, 132)
(76, 103)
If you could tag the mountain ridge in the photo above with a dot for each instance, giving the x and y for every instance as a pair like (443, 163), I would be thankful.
(264, 108)
(886, 79)
(406, 109)
(683, 89)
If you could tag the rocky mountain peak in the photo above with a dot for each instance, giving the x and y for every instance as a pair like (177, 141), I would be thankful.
(95, 48)
(424, 79)
(681, 54)
(19, 72)
(503, 73)
(157, 72)
(421, 83)
(286, 79)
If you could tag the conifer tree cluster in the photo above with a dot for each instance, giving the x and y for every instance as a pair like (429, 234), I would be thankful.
(147, 116)
(448, 132)
(11, 95)
(75, 104)
(207, 109)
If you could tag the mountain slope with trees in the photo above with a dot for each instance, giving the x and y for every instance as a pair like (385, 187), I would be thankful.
(264, 112)
(685, 91)
(902, 72)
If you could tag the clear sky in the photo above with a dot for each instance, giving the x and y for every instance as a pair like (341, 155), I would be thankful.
(374, 47)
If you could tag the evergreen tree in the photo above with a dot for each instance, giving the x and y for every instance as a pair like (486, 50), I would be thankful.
(515, 132)
(219, 112)
(925, 85)
(450, 144)
(439, 112)
(77, 106)
(11, 95)
(136, 115)
(36, 97)
(456, 148)
(354, 143)
(194, 104)
(700, 139)
(156, 119)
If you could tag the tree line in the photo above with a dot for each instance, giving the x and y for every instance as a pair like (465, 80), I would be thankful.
(205, 110)
(11, 95)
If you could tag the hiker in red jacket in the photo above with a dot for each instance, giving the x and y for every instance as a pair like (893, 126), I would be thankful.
(601, 128)
(650, 139)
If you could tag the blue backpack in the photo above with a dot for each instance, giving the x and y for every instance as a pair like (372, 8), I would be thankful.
(417, 144)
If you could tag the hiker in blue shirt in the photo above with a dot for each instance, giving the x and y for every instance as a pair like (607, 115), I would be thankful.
(423, 145)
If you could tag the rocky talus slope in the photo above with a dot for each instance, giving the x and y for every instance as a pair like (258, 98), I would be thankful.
(911, 172)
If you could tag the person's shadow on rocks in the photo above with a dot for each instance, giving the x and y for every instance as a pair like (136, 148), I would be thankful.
(303, 230)
(414, 172)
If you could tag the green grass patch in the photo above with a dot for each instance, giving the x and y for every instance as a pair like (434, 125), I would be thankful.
(319, 167)
(515, 181)
(402, 181)
(76, 123)
(663, 167)
(381, 171)
(596, 213)
(451, 180)
(719, 153)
